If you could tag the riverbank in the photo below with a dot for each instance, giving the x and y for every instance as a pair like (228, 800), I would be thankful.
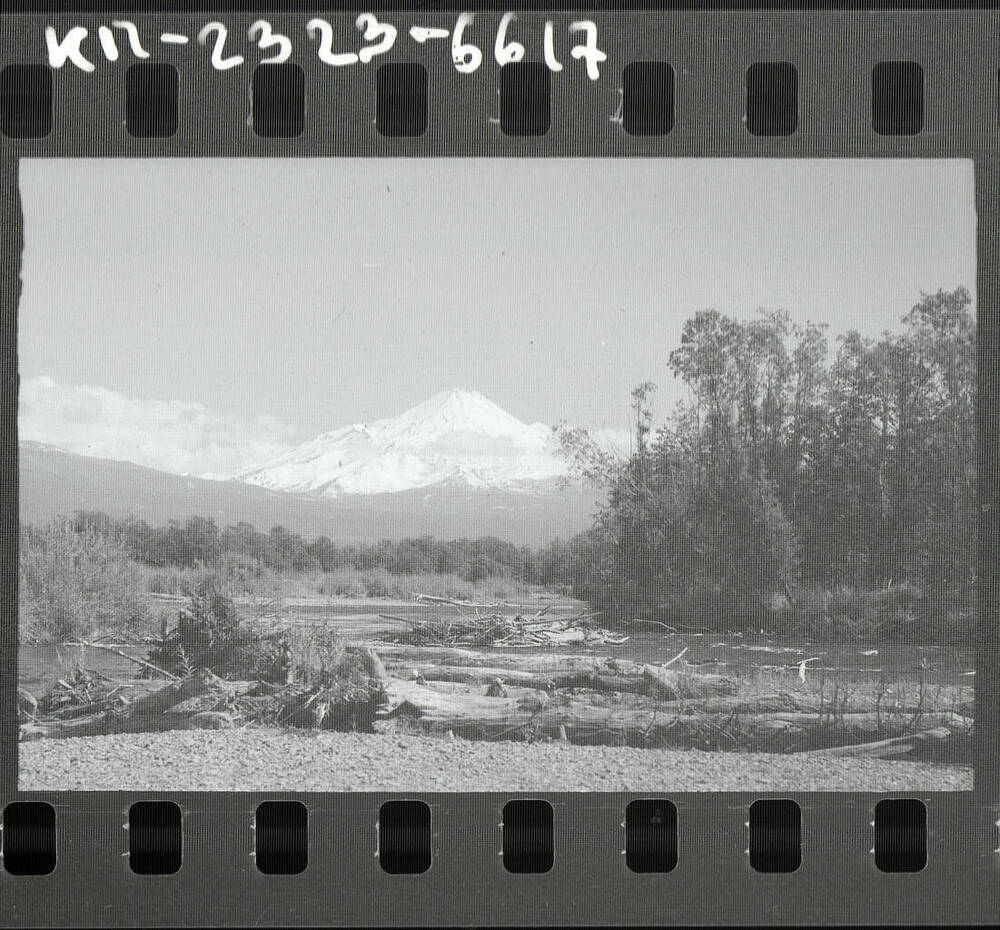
(264, 759)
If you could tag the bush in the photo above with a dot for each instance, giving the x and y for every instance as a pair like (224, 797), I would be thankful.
(210, 617)
(78, 585)
(163, 582)
(897, 612)
(211, 633)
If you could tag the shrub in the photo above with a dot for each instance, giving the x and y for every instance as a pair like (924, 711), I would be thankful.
(341, 584)
(211, 633)
(210, 617)
(345, 695)
(319, 658)
(897, 612)
(78, 584)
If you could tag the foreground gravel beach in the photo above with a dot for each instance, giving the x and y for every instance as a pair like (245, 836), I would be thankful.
(288, 760)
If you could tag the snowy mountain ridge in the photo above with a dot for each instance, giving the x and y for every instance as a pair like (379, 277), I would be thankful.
(455, 438)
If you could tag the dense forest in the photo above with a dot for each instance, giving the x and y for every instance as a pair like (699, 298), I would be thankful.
(794, 470)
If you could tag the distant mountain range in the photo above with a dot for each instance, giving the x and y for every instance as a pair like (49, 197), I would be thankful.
(455, 465)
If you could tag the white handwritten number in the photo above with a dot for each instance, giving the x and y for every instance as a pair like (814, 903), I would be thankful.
(218, 62)
(67, 49)
(326, 53)
(465, 55)
(371, 30)
(269, 38)
(589, 50)
(504, 51)
(550, 52)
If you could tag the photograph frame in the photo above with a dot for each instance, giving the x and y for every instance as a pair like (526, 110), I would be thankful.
(840, 48)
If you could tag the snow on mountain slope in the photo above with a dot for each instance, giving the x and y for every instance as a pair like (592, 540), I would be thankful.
(457, 437)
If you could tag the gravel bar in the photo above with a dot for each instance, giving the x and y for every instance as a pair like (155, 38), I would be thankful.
(258, 759)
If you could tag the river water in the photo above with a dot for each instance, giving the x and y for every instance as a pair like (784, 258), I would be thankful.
(370, 620)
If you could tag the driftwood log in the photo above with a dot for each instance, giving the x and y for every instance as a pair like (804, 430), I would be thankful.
(148, 712)
(203, 700)
(370, 661)
(549, 670)
(470, 605)
(725, 705)
(814, 703)
(138, 661)
(432, 705)
(673, 683)
(666, 724)
(26, 702)
(939, 740)
(542, 681)
(666, 683)
(576, 698)
(402, 654)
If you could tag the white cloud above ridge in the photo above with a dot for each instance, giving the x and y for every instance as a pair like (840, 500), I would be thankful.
(181, 437)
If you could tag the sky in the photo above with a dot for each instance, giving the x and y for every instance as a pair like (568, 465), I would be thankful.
(199, 315)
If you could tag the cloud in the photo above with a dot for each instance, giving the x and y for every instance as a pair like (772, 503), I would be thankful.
(174, 436)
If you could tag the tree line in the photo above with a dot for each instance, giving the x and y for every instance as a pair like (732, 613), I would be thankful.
(792, 463)
(200, 542)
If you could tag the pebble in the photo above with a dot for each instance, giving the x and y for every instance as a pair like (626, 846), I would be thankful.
(256, 759)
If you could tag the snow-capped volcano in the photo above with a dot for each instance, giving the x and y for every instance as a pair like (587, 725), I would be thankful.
(457, 437)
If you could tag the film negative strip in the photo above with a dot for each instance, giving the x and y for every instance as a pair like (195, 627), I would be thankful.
(499, 467)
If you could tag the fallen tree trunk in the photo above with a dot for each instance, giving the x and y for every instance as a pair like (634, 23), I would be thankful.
(494, 688)
(601, 673)
(753, 732)
(473, 681)
(472, 674)
(145, 713)
(201, 682)
(413, 699)
(125, 655)
(546, 682)
(26, 702)
(668, 724)
(666, 684)
(864, 726)
(675, 683)
(939, 739)
(369, 659)
(402, 654)
(811, 703)
(472, 605)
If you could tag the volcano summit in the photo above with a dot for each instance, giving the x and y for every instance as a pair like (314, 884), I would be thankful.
(456, 438)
